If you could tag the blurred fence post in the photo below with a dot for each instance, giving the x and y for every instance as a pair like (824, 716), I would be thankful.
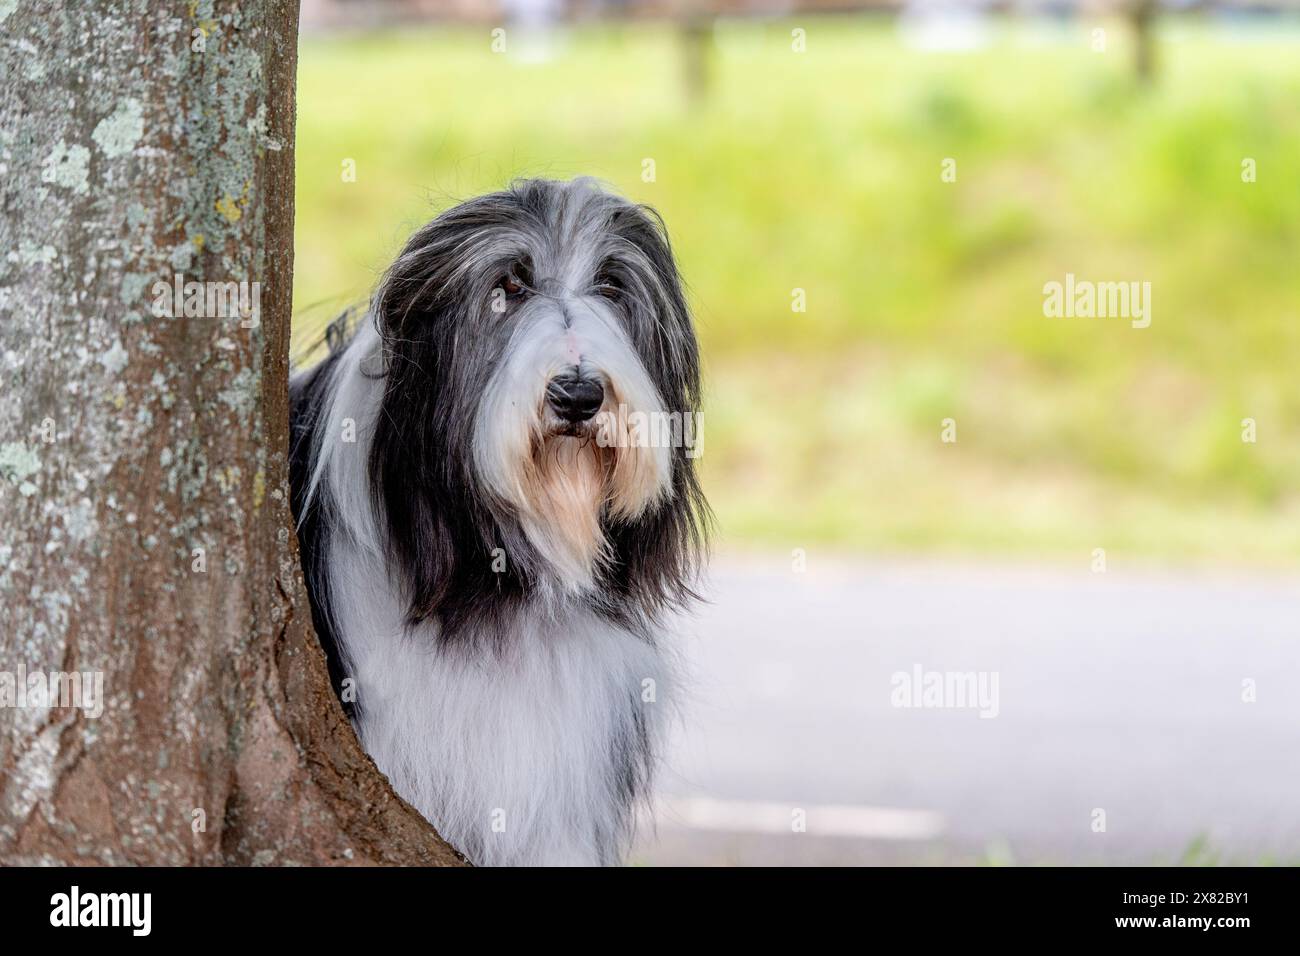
(1142, 13)
(695, 33)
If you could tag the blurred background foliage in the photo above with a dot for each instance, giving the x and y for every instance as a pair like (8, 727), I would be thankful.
(820, 171)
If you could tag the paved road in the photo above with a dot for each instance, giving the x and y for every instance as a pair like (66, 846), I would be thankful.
(1120, 692)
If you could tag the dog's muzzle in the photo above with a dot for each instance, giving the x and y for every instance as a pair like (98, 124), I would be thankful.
(574, 397)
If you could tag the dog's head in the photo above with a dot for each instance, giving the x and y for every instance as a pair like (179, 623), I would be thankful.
(540, 403)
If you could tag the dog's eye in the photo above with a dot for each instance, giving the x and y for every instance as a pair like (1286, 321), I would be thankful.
(516, 282)
(607, 285)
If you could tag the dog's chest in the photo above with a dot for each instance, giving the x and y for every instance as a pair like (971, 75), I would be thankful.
(533, 757)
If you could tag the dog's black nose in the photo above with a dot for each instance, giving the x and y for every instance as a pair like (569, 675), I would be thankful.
(575, 398)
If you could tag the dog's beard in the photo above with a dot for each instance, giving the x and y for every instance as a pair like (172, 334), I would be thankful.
(566, 482)
(578, 474)
(571, 480)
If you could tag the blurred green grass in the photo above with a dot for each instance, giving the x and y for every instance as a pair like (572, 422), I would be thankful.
(821, 171)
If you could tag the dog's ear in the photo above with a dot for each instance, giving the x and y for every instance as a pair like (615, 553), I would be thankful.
(441, 536)
(410, 463)
(659, 554)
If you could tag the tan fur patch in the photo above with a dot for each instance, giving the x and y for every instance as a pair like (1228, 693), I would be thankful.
(564, 486)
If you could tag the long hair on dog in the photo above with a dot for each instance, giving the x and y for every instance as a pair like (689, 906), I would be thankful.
(491, 546)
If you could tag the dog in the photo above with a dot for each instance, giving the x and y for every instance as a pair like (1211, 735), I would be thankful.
(492, 547)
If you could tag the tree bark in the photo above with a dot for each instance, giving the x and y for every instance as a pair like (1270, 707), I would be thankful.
(145, 532)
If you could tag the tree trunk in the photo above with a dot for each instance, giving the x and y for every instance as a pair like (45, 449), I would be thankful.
(145, 533)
